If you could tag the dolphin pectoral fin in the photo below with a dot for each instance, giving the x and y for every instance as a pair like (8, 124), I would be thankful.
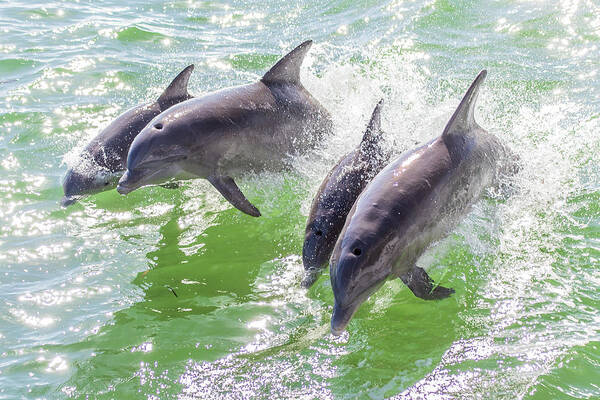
(423, 286)
(227, 187)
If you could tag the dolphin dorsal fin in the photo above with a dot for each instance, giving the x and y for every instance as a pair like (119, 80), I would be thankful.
(374, 127)
(177, 90)
(287, 70)
(463, 119)
(373, 132)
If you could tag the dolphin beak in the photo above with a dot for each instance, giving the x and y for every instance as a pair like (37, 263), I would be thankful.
(341, 317)
(310, 277)
(68, 200)
(314, 258)
(136, 178)
(124, 189)
(127, 184)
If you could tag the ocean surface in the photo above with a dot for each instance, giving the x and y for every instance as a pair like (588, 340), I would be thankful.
(87, 294)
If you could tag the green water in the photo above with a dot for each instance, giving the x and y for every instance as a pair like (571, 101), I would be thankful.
(87, 303)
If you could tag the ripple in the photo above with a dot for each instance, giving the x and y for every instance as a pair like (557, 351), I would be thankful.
(9, 66)
(238, 19)
(34, 321)
(253, 62)
(201, 20)
(53, 297)
(137, 34)
(44, 12)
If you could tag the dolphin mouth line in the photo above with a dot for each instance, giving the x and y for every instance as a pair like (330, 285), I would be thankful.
(124, 188)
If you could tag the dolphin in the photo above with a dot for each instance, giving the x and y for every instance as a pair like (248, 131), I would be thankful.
(227, 133)
(337, 195)
(103, 160)
(413, 202)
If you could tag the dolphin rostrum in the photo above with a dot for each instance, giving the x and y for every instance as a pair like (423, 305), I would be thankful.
(337, 195)
(411, 203)
(227, 133)
(103, 160)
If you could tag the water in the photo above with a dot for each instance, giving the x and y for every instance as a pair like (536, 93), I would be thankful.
(88, 305)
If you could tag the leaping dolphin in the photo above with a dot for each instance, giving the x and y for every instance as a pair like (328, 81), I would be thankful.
(103, 160)
(337, 195)
(410, 204)
(227, 133)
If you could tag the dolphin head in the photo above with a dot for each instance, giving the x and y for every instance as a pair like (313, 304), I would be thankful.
(319, 239)
(85, 179)
(156, 154)
(359, 266)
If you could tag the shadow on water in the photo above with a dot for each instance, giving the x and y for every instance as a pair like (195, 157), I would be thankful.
(394, 340)
(194, 304)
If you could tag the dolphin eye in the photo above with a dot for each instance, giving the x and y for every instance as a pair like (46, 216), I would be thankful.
(319, 233)
(158, 126)
(356, 252)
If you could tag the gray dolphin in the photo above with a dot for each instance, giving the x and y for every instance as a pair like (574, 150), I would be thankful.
(103, 160)
(409, 205)
(227, 133)
(337, 195)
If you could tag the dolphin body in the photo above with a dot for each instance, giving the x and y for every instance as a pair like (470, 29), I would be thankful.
(227, 133)
(103, 160)
(337, 195)
(410, 204)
